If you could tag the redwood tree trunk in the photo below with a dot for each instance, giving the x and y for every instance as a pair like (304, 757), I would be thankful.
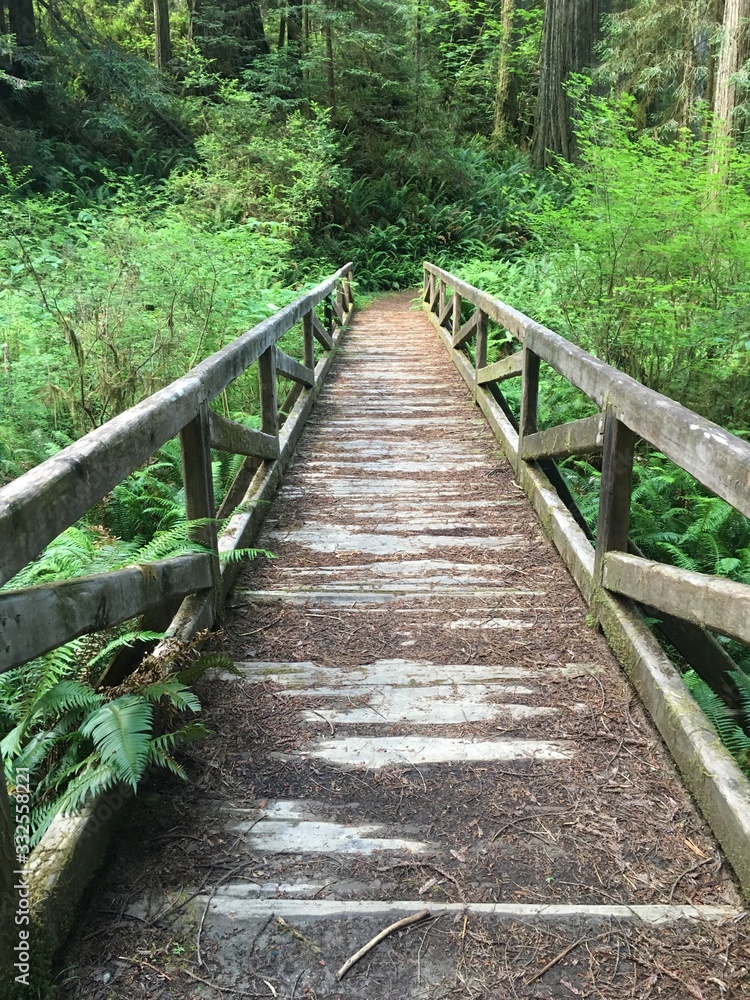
(330, 75)
(569, 32)
(163, 42)
(21, 21)
(506, 103)
(733, 54)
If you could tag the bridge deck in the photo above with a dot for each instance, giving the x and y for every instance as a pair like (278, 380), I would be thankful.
(423, 720)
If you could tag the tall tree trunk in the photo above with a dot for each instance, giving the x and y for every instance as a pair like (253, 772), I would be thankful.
(569, 32)
(330, 74)
(21, 21)
(251, 28)
(3, 22)
(162, 39)
(506, 103)
(733, 54)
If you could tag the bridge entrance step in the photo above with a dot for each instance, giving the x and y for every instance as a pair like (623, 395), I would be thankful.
(419, 718)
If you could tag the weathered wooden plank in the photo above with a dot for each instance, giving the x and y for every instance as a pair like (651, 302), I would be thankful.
(446, 310)
(614, 491)
(269, 418)
(456, 315)
(480, 344)
(308, 341)
(228, 435)
(578, 437)
(320, 333)
(508, 367)
(717, 458)
(37, 619)
(38, 506)
(527, 424)
(197, 477)
(712, 602)
(291, 368)
(466, 332)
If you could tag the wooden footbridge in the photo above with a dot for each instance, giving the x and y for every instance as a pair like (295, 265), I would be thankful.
(424, 726)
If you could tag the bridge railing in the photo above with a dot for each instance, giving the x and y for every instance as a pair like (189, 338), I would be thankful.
(686, 603)
(39, 505)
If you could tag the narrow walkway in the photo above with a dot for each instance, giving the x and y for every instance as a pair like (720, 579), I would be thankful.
(422, 720)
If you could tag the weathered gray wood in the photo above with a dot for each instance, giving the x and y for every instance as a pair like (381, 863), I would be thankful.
(456, 315)
(320, 333)
(308, 341)
(527, 423)
(466, 332)
(291, 368)
(578, 437)
(717, 458)
(614, 491)
(228, 435)
(709, 601)
(38, 506)
(197, 476)
(480, 344)
(38, 619)
(446, 311)
(269, 419)
(509, 367)
(441, 300)
(338, 305)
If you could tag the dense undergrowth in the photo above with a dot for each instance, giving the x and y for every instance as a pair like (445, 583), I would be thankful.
(125, 260)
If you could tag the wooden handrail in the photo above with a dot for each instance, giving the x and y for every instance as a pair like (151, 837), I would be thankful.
(714, 456)
(42, 503)
(718, 459)
(39, 505)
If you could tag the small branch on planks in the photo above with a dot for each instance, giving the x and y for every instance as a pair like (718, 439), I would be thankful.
(404, 922)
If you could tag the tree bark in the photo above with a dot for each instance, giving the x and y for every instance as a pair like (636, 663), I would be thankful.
(251, 28)
(569, 32)
(330, 74)
(22, 22)
(506, 104)
(162, 39)
(733, 54)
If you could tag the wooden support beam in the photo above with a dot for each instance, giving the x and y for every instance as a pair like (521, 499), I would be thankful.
(38, 619)
(228, 435)
(291, 368)
(456, 315)
(509, 367)
(320, 333)
(441, 299)
(269, 420)
(712, 602)
(308, 341)
(197, 476)
(466, 332)
(614, 491)
(527, 424)
(446, 311)
(480, 344)
(578, 437)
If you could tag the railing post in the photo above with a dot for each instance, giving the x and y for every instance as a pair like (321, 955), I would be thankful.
(480, 344)
(195, 443)
(425, 284)
(456, 324)
(308, 341)
(615, 490)
(269, 407)
(529, 395)
(441, 298)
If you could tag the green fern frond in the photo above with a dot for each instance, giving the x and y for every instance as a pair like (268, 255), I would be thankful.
(121, 732)
(176, 693)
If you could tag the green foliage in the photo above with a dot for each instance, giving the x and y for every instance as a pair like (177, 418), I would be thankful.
(732, 727)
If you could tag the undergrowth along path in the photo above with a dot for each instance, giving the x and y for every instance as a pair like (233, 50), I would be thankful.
(422, 720)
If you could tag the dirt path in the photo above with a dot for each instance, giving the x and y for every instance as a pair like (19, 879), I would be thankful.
(422, 719)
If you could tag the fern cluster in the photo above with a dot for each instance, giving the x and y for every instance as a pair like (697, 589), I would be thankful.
(732, 726)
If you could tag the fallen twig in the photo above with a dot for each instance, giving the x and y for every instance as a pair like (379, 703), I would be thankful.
(404, 922)
(554, 961)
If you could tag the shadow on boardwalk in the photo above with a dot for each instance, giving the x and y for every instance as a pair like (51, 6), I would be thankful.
(422, 719)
